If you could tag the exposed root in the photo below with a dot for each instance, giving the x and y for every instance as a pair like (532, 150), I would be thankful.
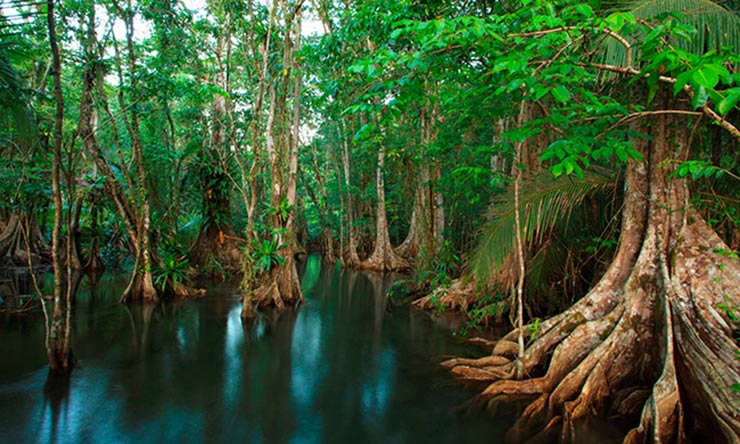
(460, 296)
(183, 291)
(385, 259)
(280, 289)
(601, 359)
(486, 361)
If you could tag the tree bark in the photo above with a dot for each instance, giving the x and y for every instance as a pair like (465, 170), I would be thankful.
(353, 259)
(134, 210)
(58, 348)
(383, 257)
(216, 252)
(650, 339)
(281, 287)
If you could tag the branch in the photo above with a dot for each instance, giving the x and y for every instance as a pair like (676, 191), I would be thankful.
(633, 116)
(706, 109)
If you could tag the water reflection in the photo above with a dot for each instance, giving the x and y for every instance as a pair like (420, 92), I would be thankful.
(340, 369)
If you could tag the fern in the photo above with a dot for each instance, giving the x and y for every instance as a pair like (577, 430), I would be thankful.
(14, 103)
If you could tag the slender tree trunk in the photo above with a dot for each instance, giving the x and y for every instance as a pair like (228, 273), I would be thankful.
(215, 252)
(327, 238)
(248, 302)
(141, 286)
(282, 286)
(58, 347)
(439, 209)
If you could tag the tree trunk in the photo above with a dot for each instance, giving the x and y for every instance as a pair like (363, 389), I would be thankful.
(22, 240)
(134, 209)
(141, 285)
(409, 248)
(282, 286)
(58, 348)
(425, 234)
(216, 251)
(650, 339)
(327, 237)
(353, 259)
(383, 257)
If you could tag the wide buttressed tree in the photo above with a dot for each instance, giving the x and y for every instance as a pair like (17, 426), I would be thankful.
(281, 82)
(653, 338)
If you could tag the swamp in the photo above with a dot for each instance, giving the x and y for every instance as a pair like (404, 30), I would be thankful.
(371, 221)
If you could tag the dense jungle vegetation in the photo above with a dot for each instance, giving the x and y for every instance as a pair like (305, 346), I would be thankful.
(569, 169)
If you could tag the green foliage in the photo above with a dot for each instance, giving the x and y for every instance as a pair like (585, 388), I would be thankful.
(697, 169)
(15, 105)
(484, 308)
(546, 202)
(171, 272)
(265, 255)
(534, 329)
(733, 312)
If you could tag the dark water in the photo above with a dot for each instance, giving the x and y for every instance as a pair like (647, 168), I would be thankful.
(338, 370)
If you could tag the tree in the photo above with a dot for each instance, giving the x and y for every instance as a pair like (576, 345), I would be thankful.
(58, 348)
(671, 274)
(281, 285)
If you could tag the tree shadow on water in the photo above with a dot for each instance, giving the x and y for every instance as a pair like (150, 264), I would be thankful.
(56, 402)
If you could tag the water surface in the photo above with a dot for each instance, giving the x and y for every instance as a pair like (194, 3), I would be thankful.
(340, 369)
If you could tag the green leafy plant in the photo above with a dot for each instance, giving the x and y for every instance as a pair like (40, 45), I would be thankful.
(266, 255)
(733, 312)
(534, 329)
(171, 272)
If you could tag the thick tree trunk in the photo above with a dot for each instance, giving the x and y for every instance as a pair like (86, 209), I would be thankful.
(353, 259)
(216, 252)
(409, 248)
(22, 240)
(650, 339)
(282, 286)
(383, 257)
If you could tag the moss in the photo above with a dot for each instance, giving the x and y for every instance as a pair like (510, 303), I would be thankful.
(572, 323)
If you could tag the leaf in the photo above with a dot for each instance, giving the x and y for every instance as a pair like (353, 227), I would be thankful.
(585, 10)
(729, 102)
(706, 77)
(545, 203)
(700, 97)
(681, 81)
(561, 94)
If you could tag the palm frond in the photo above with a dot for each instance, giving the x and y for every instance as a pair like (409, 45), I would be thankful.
(716, 27)
(14, 104)
(545, 203)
